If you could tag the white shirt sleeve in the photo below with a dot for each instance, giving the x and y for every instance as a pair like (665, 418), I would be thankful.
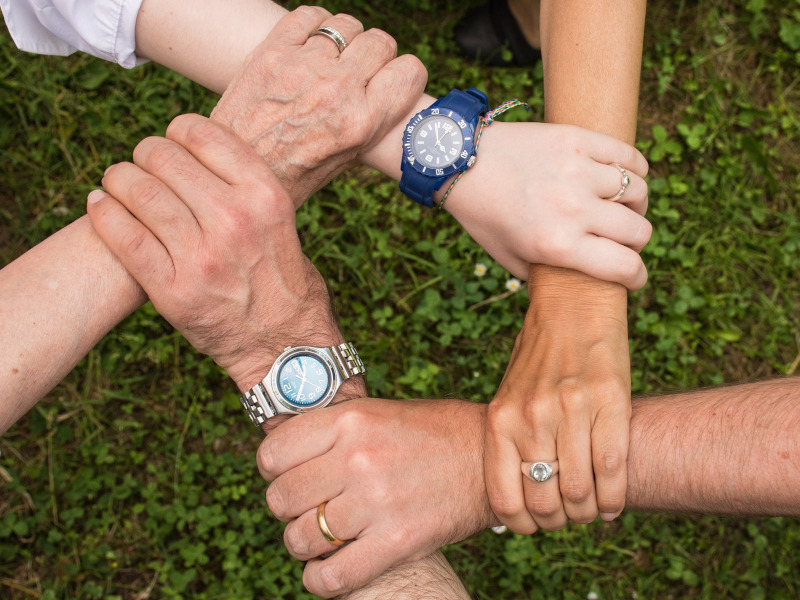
(103, 28)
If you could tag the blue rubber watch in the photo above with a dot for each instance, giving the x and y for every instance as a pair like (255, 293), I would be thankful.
(440, 142)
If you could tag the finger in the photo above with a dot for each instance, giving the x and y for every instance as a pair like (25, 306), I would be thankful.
(542, 498)
(610, 434)
(619, 224)
(297, 441)
(348, 27)
(139, 251)
(607, 150)
(350, 568)
(603, 259)
(576, 477)
(304, 539)
(152, 202)
(503, 478)
(293, 29)
(217, 149)
(394, 90)
(369, 52)
(305, 486)
(610, 181)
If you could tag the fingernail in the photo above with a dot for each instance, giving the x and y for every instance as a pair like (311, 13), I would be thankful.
(608, 516)
(95, 196)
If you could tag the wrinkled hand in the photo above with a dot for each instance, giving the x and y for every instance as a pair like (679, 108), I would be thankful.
(205, 228)
(565, 396)
(536, 195)
(402, 478)
(309, 110)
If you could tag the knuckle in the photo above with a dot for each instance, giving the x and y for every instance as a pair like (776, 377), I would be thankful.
(294, 540)
(201, 132)
(312, 11)
(630, 265)
(362, 461)
(384, 42)
(503, 505)
(275, 502)
(145, 192)
(349, 21)
(610, 462)
(266, 458)
(644, 233)
(132, 241)
(576, 490)
(332, 579)
(544, 507)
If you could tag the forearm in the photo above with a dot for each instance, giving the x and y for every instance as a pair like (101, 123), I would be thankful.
(60, 298)
(728, 451)
(591, 54)
(431, 578)
(209, 40)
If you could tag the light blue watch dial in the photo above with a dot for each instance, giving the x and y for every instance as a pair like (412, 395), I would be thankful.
(303, 380)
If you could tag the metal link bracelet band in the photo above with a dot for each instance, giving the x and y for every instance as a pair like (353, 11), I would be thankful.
(257, 403)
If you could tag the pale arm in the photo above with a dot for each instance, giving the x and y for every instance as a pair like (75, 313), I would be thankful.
(59, 299)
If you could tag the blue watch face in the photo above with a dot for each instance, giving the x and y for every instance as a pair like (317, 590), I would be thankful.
(437, 142)
(304, 380)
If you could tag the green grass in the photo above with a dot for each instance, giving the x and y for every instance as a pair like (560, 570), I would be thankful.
(136, 473)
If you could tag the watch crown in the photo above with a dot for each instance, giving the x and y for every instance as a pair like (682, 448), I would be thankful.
(472, 160)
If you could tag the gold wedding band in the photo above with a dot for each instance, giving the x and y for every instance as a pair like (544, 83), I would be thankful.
(333, 35)
(323, 526)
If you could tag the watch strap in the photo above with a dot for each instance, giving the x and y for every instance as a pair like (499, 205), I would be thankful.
(470, 104)
(347, 360)
(257, 404)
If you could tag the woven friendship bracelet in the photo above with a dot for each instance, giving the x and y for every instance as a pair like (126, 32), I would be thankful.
(484, 121)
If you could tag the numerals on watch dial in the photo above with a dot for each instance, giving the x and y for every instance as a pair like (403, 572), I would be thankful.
(303, 380)
(437, 141)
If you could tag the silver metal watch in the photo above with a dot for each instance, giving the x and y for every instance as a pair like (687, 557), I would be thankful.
(302, 378)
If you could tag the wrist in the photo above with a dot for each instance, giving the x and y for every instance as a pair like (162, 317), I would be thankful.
(555, 290)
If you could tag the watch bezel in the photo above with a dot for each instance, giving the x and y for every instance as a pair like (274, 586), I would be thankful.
(273, 388)
(467, 151)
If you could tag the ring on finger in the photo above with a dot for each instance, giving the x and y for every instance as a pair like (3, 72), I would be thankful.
(625, 181)
(333, 35)
(323, 526)
(540, 470)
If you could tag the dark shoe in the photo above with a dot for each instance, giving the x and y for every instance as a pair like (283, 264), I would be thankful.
(486, 31)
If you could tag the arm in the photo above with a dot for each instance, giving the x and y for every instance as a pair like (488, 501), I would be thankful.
(728, 451)
(60, 298)
(566, 393)
(239, 289)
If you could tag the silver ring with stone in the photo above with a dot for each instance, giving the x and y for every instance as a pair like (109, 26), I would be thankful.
(540, 471)
(624, 182)
(331, 34)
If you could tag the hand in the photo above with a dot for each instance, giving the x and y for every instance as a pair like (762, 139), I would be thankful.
(223, 269)
(536, 196)
(309, 110)
(401, 478)
(565, 396)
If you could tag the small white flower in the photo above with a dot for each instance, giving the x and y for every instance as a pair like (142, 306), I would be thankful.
(500, 529)
(476, 374)
(480, 270)
(634, 595)
(513, 284)
(592, 596)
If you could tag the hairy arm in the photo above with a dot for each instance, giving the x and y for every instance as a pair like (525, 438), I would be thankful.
(728, 451)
